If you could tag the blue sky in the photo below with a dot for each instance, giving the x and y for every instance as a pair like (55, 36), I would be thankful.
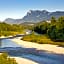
(19, 8)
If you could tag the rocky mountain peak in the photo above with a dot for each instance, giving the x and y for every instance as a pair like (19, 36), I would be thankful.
(36, 16)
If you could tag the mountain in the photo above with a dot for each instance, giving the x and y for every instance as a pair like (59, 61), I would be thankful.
(12, 21)
(9, 20)
(35, 16)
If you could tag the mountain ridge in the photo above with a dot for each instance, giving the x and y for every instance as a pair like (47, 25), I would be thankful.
(35, 16)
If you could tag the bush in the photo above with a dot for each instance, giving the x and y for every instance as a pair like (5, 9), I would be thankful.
(4, 59)
(41, 39)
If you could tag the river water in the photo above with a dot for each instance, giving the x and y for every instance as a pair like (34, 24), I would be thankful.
(18, 51)
(8, 43)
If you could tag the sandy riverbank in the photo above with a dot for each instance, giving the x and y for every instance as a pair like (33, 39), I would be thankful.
(46, 47)
(21, 60)
(24, 61)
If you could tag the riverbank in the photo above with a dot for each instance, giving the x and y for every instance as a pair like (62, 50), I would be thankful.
(24, 61)
(35, 53)
(47, 47)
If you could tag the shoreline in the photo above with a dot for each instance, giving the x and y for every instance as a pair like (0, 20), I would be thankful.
(47, 47)
(23, 60)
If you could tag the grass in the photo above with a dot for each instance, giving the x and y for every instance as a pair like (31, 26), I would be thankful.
(9, 33)
(41, 39)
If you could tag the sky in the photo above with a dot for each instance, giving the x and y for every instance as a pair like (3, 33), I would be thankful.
(18, 8)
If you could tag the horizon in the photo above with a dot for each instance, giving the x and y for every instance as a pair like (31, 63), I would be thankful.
(17, 9)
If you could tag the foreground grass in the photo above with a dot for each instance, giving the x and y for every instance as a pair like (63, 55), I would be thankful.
(5, 59)
(41, 39)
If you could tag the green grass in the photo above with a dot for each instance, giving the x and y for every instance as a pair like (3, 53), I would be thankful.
(5, 59)
(41, 39)
(9, 33)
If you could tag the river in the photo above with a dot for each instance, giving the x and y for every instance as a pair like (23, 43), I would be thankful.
(16, 50)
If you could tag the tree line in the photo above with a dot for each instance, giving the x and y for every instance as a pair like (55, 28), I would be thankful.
(53, 29)
(8, 29)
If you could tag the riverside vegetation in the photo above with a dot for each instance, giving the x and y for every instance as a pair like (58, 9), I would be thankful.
(5, 59)
(49, 32)
(7, 29)
(12, 29)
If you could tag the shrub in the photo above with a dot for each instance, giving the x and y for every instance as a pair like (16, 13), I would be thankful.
(4, 59)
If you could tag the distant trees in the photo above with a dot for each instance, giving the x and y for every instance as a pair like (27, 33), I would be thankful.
(7, 29)
(53, 20)
(54, 29)
(41, 27)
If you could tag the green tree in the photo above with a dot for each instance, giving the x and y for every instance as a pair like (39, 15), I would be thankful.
(53, 20)
(42, 27)
(56, 31)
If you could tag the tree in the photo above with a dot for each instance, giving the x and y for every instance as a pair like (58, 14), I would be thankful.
(53, 20)
(56, 31)
(42, 27)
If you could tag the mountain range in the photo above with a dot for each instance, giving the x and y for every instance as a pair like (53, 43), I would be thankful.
(35, 16)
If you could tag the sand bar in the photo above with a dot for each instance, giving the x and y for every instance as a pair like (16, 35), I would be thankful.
(24, 61)
(46, 47)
